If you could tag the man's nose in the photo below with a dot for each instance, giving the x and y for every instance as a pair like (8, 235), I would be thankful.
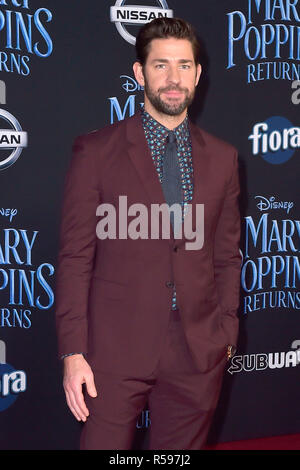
(173, 75)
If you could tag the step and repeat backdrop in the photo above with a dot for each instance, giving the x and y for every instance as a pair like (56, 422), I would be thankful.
(66, 69)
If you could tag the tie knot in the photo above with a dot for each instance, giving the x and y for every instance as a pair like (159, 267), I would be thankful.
(171, 137)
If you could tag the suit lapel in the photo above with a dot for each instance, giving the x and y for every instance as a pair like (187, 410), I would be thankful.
(141, 158)
(200, 163)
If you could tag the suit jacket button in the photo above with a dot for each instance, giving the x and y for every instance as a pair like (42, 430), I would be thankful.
(170, 284)
(175, 249)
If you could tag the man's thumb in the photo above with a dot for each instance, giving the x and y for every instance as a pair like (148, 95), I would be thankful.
(90, 386)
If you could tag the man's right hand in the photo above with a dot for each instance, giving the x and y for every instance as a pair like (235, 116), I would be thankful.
(77, 372)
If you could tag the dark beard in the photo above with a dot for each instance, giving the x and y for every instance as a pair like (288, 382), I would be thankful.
(167, 108)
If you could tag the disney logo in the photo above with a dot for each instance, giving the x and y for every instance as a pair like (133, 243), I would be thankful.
(8, 213)
(130, 84)
(264, 204)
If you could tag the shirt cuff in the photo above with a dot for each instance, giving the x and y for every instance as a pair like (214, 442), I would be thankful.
(70, 354)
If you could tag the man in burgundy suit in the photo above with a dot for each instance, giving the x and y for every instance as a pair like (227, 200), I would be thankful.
(147, 319)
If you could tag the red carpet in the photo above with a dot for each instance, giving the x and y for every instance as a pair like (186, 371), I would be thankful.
(291, 442)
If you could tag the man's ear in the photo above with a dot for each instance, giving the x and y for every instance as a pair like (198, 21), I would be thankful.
(138, 73)
(198, 74)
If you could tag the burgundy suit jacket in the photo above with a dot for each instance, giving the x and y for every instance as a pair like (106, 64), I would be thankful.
(113, 296)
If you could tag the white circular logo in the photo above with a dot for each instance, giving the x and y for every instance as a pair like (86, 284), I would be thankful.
(135, 15)
(14, 139)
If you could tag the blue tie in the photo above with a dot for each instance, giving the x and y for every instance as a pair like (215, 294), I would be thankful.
(171, 180)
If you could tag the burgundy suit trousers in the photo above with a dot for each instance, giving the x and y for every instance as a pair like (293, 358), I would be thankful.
(181, 401)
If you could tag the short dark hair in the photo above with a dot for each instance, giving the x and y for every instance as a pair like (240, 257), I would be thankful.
(163, 28)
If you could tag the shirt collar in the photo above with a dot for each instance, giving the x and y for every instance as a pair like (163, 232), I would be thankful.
(158, 130)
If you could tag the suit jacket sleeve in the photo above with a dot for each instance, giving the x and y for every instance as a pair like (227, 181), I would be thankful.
(76, 250)
(227, 258)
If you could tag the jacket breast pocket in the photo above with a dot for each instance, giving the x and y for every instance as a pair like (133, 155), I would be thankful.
(107, 289)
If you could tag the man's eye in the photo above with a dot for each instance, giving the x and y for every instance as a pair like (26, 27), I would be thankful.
(185, 66)
(160, 66)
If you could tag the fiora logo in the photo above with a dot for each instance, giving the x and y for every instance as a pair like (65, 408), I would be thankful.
(135, 15)
(275, 139)
(12, 381)
(13, 139)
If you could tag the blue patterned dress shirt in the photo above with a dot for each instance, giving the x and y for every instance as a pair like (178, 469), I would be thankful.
(156, 135)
